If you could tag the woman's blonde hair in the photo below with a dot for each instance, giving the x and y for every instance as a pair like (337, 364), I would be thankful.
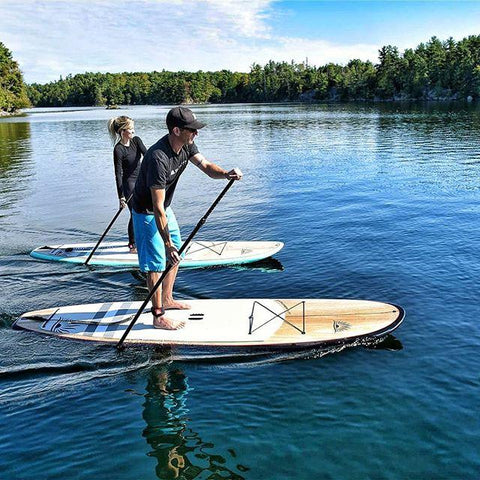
(116, 125)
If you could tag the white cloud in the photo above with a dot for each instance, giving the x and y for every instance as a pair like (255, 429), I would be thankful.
(246, 18)
(58, 37)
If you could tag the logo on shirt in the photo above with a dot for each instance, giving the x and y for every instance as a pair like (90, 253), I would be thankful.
(182, 165)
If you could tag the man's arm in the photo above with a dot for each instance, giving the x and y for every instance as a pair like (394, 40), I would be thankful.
(213, 170)
(158, 199)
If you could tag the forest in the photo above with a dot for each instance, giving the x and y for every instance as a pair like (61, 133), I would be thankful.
(435, 70)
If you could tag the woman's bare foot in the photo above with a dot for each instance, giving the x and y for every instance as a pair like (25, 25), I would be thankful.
(175, 305)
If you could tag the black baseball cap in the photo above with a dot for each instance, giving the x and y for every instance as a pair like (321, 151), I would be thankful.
(183, 117)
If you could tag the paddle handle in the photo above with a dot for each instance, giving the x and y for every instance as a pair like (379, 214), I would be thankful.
(170, 266)
(106, 230)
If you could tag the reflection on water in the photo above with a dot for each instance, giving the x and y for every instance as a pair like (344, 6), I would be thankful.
(14, 145)
(15, 175)
(389, 342)
(15, 149)
(268, 265)
(180, 452)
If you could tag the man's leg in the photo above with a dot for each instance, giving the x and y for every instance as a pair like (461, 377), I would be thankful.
(151, 259)
(159, 320)
(167, 292)
(169, 281)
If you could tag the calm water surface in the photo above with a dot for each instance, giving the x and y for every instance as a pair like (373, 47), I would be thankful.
(372, 202)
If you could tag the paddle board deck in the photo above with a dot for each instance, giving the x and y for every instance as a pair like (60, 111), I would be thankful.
(198, 254)
(258, 324)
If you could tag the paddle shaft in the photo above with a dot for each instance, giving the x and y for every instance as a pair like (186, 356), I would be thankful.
(170, 266)
(106, 230)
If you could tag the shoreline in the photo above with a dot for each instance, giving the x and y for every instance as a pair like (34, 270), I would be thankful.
(18, 113)
(468, 101)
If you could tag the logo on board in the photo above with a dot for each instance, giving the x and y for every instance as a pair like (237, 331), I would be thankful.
(59, 326)
(339, 326)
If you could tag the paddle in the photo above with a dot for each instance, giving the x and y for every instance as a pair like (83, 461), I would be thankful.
(169, 265)
(106, 230)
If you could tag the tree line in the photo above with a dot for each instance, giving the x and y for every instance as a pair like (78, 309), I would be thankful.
(435, 70)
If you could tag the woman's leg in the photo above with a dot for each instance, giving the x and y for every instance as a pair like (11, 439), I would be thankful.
(131, 235)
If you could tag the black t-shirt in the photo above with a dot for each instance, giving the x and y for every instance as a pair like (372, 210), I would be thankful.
(161, 168)
(126, 161)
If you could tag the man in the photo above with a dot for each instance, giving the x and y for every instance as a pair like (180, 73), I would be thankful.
(156, 230)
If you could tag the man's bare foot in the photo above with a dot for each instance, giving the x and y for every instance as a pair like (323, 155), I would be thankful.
(161, 321)
(175, 305)
(166, 323)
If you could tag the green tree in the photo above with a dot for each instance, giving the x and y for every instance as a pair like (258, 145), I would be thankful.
(388, 72)
(13, 92)
(414, 75)
(358, 80)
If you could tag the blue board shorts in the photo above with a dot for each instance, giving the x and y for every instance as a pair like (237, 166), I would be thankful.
(150, 246)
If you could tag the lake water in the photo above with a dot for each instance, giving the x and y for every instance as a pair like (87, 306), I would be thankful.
(376, 202)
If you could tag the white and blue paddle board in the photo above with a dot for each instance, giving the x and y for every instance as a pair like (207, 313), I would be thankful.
(225, 325)
(198, 254)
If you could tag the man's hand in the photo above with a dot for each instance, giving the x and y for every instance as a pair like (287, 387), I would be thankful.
(123, 203)
(235, 174)
(172, 255)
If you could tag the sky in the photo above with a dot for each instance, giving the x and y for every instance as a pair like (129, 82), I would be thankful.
(54, 38)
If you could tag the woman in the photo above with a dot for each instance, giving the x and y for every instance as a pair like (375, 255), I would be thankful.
(127, 157)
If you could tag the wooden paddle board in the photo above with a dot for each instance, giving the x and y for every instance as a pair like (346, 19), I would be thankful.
(264, 324)
(198, 254)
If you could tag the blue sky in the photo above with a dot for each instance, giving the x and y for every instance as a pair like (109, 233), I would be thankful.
(53, 38)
